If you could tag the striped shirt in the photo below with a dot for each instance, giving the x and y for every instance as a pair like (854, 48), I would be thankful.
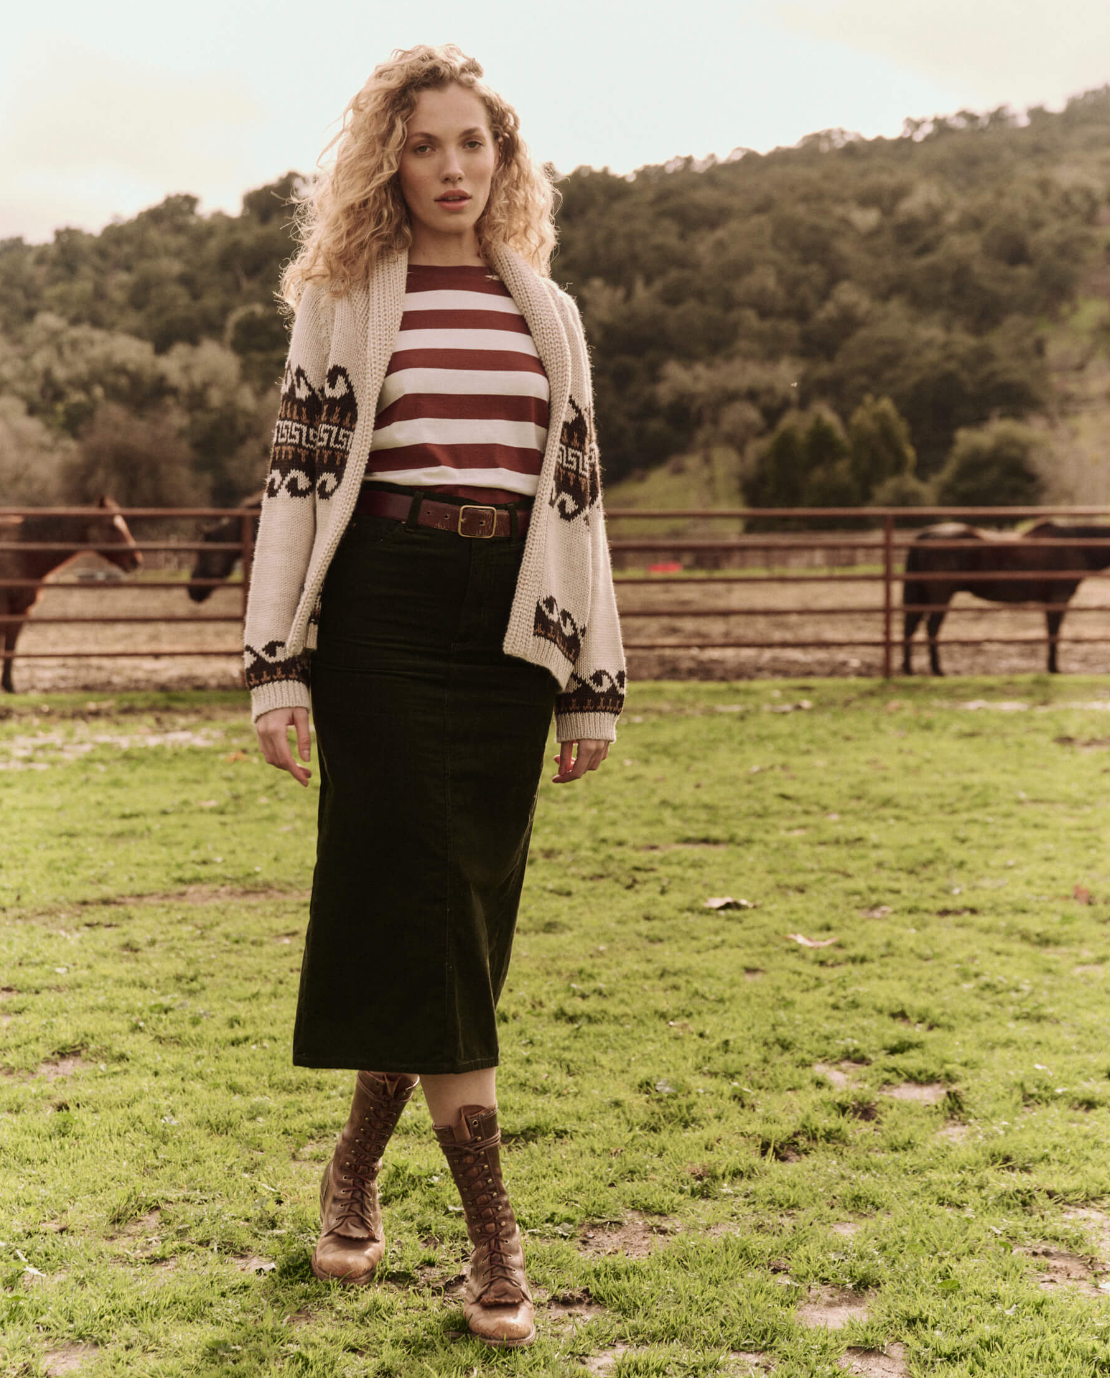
(465, 399)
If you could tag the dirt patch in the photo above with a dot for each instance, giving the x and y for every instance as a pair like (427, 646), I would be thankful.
(605, 1362)
(876, 1363)
(836, 1076)
(754, 613)
(1058, 1266)
(928, 1093)
(845, 1228)
(197, 894)
(748, 611)
(753, 973)
(143, 1226)
(634, 1238)
(45, 749)
(253, 1264)
(101, 672)
(833, 1307)
(954, 1133)
(574, 1308)
(298, 1318)
(54, 1068)
(747, 1364)
(68, 1358)
(1096, 1225)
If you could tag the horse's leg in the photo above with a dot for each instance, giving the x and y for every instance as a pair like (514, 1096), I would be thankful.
(11, 631)
(909, 626)
(1054, 617)
(932, 627)
(911, 593)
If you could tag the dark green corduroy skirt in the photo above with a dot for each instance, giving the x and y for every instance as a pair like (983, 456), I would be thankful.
(430, 743)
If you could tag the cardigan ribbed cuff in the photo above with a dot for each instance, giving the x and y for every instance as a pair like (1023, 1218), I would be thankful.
(279, 693)
(577, 727)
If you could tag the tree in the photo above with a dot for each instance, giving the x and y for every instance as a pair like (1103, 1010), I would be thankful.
(141, 461)
(805, 463)
(33, 458)
(879, 440)
(992, 466)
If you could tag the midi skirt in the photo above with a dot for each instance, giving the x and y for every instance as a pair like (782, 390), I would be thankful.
(430, 745)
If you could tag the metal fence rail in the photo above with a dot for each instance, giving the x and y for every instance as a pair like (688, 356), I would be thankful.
(870, 551)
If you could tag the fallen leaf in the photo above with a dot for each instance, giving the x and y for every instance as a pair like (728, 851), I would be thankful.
(1082, 894)
(727, 902)
(811, 942)
(236, 756)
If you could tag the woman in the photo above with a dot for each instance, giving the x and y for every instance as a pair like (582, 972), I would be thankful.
(432, 546)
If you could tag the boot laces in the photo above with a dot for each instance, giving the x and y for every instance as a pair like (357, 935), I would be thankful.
(356, 1191)
(494, 1220)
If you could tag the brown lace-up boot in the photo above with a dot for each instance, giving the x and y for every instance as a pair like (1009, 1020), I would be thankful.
(498, 1304)
(350, 1246)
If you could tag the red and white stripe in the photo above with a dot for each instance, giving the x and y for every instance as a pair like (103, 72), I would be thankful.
(465, 399)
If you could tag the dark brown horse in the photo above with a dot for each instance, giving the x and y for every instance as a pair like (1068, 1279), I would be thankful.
(218, 564)
(1048, 547)
(102, 529)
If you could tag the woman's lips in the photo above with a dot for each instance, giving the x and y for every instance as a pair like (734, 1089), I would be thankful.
(453, 199)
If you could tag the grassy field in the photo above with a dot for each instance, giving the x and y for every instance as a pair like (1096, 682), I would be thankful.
(854, 1122)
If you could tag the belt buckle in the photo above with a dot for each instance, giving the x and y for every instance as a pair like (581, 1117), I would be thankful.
(487, 522)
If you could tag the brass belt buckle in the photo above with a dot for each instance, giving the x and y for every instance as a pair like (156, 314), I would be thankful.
(487, 522)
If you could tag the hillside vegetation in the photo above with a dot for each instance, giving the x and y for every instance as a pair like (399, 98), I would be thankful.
(849, 320)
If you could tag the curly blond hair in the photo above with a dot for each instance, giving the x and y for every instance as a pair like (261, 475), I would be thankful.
(353, 211)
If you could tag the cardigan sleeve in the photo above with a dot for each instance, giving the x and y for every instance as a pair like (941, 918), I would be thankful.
(287, 524)
(594, 695)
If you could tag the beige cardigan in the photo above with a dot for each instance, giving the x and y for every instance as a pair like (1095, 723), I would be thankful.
(564, 613)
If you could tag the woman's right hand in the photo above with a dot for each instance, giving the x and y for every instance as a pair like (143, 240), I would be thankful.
(273, 737)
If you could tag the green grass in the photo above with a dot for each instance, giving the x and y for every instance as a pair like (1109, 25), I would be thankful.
(661, 1061)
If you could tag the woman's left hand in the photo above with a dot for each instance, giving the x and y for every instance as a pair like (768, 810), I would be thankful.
(574, 764)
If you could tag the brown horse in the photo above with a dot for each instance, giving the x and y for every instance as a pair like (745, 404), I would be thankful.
(218, 564)
(103, 529)
(1043, 549)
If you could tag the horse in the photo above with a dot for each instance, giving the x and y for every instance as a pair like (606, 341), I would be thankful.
(218, 564)
(102, 528)
(1041, 550)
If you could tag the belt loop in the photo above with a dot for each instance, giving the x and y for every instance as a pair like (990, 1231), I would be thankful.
(414, 511)
(513, 529)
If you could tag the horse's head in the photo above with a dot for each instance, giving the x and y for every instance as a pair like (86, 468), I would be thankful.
(109, 533)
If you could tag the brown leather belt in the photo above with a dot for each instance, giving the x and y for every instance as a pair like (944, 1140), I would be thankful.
(470, 519)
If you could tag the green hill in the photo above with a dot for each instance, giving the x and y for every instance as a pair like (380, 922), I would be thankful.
(747, 308)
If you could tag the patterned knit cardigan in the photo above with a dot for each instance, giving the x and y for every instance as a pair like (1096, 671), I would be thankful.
(564, 612)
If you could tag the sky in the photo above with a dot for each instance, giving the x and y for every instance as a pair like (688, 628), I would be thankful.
(107, 108)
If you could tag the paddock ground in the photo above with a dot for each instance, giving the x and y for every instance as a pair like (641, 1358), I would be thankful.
(760, 607)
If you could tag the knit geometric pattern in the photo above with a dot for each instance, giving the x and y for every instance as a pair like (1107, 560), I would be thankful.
(564, 612)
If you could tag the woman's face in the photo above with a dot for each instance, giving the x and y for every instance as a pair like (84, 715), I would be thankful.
(446, 169)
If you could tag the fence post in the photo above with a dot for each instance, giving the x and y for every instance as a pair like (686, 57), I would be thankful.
(888, 582)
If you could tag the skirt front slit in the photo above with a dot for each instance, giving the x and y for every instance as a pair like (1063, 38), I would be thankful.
(430, 745)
